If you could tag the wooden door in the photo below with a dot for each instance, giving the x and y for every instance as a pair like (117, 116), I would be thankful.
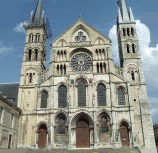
(124, 135)
(82, 134)
(42, 137)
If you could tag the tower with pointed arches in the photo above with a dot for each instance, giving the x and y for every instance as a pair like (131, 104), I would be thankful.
(83, 100)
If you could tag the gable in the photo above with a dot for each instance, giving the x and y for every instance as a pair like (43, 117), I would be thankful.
(79, 32)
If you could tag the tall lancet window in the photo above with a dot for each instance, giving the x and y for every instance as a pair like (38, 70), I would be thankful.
(133, 76)
(30, 78)
(44, 97)
(81, 93)
(36, 54)
(30, 55)
(121, 96)
(31, 38)
(37, 37)
(133, 48)
(128, 48)
(62, 96)
(101, 95)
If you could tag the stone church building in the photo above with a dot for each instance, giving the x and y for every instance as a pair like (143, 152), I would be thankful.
(83, 100)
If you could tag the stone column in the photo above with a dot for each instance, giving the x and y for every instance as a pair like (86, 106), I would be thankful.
(95, 126)
(131, 115)
(69, 127)
(52, 131)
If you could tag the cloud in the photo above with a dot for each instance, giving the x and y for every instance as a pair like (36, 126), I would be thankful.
(113, 37)
(149, 55)
(4, 50)
(19, 28)
(154, 111)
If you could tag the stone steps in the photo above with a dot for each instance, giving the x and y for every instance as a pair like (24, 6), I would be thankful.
(120, 150)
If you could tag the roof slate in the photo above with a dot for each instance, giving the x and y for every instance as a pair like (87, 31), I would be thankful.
(10, 91)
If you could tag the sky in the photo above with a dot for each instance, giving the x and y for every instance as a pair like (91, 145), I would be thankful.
(100, 14)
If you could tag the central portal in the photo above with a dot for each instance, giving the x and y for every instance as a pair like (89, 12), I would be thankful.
(82, 134)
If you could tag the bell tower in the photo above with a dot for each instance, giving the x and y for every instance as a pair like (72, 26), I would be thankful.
(34, 58)
(127, 36)
(130, 60)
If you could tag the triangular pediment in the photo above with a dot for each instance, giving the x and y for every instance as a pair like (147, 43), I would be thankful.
(80, 32)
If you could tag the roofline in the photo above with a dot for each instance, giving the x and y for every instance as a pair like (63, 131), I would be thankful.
(11, 83)
(7, 102)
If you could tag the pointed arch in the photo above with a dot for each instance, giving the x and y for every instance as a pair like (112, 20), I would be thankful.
(82, 28)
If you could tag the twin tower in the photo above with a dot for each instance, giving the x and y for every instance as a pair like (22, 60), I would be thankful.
(83, 100)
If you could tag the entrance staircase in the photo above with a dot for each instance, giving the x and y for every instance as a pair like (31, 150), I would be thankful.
(120, 150)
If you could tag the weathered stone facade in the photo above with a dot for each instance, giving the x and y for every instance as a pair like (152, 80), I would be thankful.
(9, 123)
(83, 92)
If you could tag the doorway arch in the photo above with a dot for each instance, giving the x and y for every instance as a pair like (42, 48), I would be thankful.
(82, 134)
(42, 136)
(124, 134)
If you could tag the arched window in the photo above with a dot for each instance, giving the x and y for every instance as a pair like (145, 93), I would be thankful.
(30, 78)
(133, 48)
(133, 76)
(64, 69)
(29, 54)
(44, 97)
(101, 95)
(132, 31)
(128, 33)
(62, 96)
(31, 38)
(37, 37)
(121, 96)
(97, 68)
(57, 69)
(101, 68)
(81, 93)
(104, 128)
(61, 125)
(36, 54)
(128, 48)
(124, 32)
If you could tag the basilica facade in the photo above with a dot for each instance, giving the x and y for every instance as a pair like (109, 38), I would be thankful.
(83, 100)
